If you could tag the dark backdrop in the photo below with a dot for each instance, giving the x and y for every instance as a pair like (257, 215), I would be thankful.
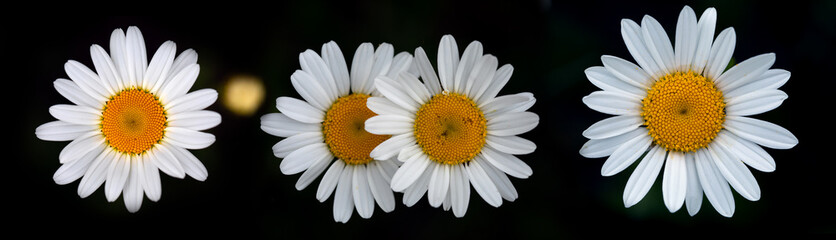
(548, 43)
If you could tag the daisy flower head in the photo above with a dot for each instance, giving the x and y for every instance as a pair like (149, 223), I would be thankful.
(129, 119)
(451, 130)
(329, 125)
(681, 108)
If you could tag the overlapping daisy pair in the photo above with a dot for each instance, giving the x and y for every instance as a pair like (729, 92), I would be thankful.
(682, 109)
(131, 119)
(449, 130)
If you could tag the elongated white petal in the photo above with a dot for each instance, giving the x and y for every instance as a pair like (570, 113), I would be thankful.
(105, 69)
(333, 57)
(596, 148)
(483, 184)
(755, 102)
(771, 79)
(188, 138)
(313, 64)
(397, 93)
(160, 65)
(280, 125)
(71, 91)
(363, 199)
(481, 77)
(294, 142)
(299, 110)
(163, 157)
(316, 168)
(613, 103)
(76, 114)
(503, 184)
(500, 78)
(633, 37)
(459, 190)
(602, 78)
(74, 170)
(132, 192)
(507, 163)
(413, 87)
(136, 58)
(96, 173)
(511, 144)
(721, 53)
(685, 44)
(383, 57)
(658, 44)
(180, 84)
(329, 180)
(389, 125)
(627, 71)
(195, 120)
(87, 80)
(193, 101)
(625, 155)
(744, 72)
(470, 57)
(414, 192)
(119, 54)
(392, 146)
(705, 36)
(512, 123)
(311, 90)
(714, 184)
(400, 64)
(427, 72)
(613, 126)
(185, 59)
(384, 106)
(439, 184)
(117, 175)
(379, 187)
(191, 165)
(761, 132)
(508, 103)
(299, 160)
(361, 67)
(748, 152)
(343, 201)
(643, 177)
(150, 177)
(675, 181)
(80, 146)
(62, 131)
(448, 61)
(693, 195)
(409, 172)
(735, 172)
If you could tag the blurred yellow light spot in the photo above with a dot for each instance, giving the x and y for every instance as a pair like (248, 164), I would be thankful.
(243, 94)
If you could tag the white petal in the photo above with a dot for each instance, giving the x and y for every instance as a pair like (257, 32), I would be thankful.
(163, 157)
(483, 184)
(105, 69)
(658, 43)
(379, 188)
(87, 80)
(602, 78)
(721, 53)
(132, 192)
(625, 155)
(735, 172)
(613, 103)
(96, 173)
(363, 199)
(160, 65)
(76, 114)
(195, 120)
(716, 189)
(705, 36)
(80, 146)
(439, 184)
(413, 87)
(635, 42)
(761, 132)
(397, 93)
(627, 71)
(400, 64)
(329, 180)
(311, 90)
(459, 190)
(119, 54)
(392, 146)
(71, 91)
(471, 55)
(179, 85)
(191, 165)
(278, 124)
(427, 72)
(675, 181)
(62, 131)
(185, 59)
(500, 78)
(74, 170)
(643, 177)
(361, 67)
(748, 152)
(313, 64)
(137, 60)
(150, 179)
(415, 191)
(317, 167)
(409, 173)
(448, 61)
(744, 72)
(299, 160)
(481, 77)
(389, 125)
(189, 139)
(447, 203)
(503, 184)
(512, 123)
(117, 175)
(613, 126)
(693, 194)
(382, 62)
(294, 142)
(411, 151)
(197, 100)
(755, 102)
(511, 144)
(333, 57)
(771, 79)
(508, 103)
(596, 148)
(343, 201)
(507, 163)
(686, 39)
(387, 169)
(299, 110)
(383, 106)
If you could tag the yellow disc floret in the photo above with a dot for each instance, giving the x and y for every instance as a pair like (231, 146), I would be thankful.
(344, 130)
(683, 111)
(450, 128)
(133, 121)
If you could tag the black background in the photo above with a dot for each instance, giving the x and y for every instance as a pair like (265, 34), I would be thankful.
(548, 43)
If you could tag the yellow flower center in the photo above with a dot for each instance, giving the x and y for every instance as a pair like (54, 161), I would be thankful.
(344, 130)
(133, 121)
(683, 111)
(450, 128)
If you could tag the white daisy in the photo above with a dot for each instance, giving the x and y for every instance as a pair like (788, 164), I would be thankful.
(129, 119)
(679, 108)
(329, 124)
(452, 131)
